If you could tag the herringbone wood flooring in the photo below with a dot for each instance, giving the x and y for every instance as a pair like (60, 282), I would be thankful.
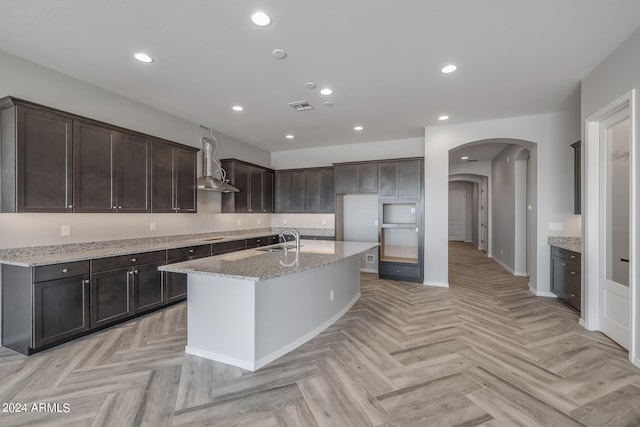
(483, 352)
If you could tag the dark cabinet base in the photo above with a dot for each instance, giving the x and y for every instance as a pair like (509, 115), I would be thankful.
(565, 276)
(400, 271)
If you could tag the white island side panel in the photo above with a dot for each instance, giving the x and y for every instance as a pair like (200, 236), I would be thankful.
(221, 320)
(293, 309)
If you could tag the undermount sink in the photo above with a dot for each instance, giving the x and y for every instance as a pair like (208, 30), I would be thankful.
(277, 248)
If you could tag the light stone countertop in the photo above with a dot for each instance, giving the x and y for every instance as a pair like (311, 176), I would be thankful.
(569, 243)
(35, 256)
(256, 265)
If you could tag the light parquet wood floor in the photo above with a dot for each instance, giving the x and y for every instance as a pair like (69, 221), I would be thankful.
(483, 352)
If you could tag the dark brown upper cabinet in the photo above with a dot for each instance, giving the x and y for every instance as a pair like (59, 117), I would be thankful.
(356, 178)
(255, 184)
(53, 161)
(111, 170)
(400, 178)
(320, 195)
(173, 178)
(36, 159)
(290, 191)
(577, 178)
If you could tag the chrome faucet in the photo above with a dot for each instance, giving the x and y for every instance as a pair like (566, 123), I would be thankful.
(296, 234)
(292, 232)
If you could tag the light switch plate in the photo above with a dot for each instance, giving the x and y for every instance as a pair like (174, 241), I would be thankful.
(555, 226)
(65, 230)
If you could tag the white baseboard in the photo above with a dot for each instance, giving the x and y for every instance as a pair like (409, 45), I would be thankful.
(582, 323)
(636, 362)
(244, 364)
(436, 284)
(468, 241)
(369, 270)
(502, 264)
(542, 294)
(521, 274)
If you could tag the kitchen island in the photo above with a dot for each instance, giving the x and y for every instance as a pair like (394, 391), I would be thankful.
(251, 307)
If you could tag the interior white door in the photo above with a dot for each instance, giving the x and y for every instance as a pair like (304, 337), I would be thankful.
(615, 134)
(484, 214)
(457, 215)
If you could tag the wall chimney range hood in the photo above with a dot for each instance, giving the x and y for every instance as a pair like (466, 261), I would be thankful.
(208, 182)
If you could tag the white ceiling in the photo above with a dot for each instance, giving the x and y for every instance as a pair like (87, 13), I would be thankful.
(381, 58)
(483, 152)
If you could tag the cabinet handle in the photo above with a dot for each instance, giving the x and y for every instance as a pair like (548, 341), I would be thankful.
(65, 270)
(86, 281)
(573, 295)
(133, 259)
(573, 256)
(131, 273)
(564, 263)
(573, 273)
(119, 207)
(70, 206)
(190, 251)
(114, 207)
(135, 271)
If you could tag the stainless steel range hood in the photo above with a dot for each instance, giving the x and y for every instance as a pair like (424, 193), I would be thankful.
(208, 181)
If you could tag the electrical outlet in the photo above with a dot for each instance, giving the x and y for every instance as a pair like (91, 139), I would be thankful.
(239, 222)
(413, 210)
(332, 294)
(555, 226)
(324, 221)
(284, 220)
(152, 226)
(258, 222)
(371, 259)
(65, 230)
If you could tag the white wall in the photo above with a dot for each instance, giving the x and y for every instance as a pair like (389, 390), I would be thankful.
(553, 192)
(618, 74)
(32, 82)
(326, 156)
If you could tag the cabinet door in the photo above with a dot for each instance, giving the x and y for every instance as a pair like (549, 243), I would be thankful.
(111, 296)
(92, 171)
(148, 287)
(313, 192)
(175, 285)
(298, 190)
(161, 177)
(367, 178)
(61, 309)
(409, 178)
(256, 186)
(283, 192)
(131, 162)
(328, 191)
(44, 158)
(267, 192)
(558, 276)
(346, 179)
(185, 184)
(388, 179)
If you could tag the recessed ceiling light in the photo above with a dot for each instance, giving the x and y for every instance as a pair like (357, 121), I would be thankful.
(443, 117)
(464, 158)
(289, 137)
(358, 128)
(279, 53)
(261, 19)
(328, 104)
(310, 85)
(237, 108)
(449, 69)
(326, 91)
(142, 57)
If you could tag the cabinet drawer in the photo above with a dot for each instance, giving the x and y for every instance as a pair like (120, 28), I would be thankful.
(259, 241)
(224, 247)
(572, 295)
(191, 251)
(112, 263)
(398, 270)
(60, 271)
(565, 254)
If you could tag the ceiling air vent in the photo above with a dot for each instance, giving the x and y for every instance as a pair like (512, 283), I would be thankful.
(301, 106)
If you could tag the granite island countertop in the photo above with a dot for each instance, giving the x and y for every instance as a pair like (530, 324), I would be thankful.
(258, 265)
(35, 256)
(573, 244)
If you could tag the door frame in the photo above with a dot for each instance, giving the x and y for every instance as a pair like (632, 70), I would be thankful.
(592, 219)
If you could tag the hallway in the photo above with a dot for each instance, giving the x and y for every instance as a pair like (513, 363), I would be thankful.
(485, 351)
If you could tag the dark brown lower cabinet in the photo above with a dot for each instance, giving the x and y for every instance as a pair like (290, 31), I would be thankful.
(111, 296)
(148, 288)
(566, 277)
(61, 309)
